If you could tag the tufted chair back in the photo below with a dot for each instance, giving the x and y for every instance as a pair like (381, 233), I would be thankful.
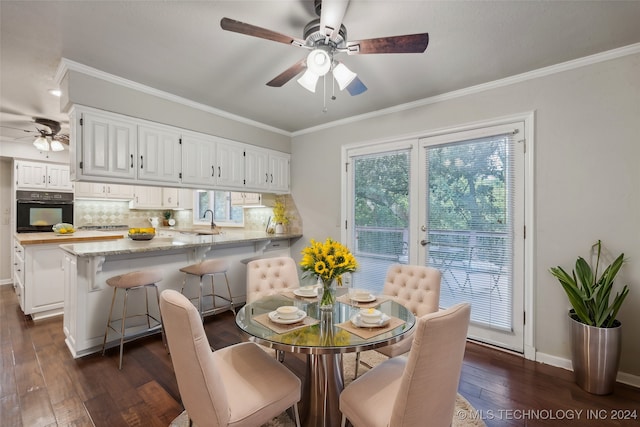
(269, 276)
(414, 286)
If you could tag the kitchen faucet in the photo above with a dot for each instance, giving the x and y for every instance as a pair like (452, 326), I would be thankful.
(213, 224)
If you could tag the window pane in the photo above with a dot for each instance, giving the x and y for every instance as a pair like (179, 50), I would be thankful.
(381, 213)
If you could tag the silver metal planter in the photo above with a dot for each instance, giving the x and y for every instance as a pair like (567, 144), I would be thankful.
(595, 356)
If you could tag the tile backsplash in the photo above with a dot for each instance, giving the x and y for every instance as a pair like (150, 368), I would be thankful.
(111, 212)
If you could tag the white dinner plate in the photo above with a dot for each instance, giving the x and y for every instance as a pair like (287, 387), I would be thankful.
(357, 321)
(300, 293)
(275, 318)
(370, 298)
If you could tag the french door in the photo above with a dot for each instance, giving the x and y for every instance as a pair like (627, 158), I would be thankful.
(471, 226)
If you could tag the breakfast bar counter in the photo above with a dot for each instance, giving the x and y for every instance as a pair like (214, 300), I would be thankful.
(87, 266)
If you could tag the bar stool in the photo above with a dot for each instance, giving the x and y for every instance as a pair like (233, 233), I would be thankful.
(136, 280)
(209, 267)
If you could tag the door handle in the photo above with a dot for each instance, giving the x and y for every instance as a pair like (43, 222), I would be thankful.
(424, 242)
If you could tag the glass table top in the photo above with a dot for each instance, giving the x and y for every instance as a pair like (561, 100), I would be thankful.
(324, 335)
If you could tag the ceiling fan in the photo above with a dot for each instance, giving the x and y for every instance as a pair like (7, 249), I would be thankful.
(47, 139)
(326, 37)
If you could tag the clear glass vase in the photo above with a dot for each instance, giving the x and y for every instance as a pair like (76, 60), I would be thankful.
(328, 294)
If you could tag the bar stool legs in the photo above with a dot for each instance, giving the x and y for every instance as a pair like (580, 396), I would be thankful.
(209, 267)
(139, 280)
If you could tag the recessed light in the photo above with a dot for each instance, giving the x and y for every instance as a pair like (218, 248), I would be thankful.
(55, 92)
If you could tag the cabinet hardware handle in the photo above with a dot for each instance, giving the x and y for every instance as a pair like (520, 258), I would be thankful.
(49, 179)
(266, 177)
(132, 161)
(272, 178)
(44, 179)
(219, 171)
(141, 162)
(213, 170)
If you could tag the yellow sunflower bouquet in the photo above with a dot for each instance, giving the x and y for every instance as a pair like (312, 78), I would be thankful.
(328, 261)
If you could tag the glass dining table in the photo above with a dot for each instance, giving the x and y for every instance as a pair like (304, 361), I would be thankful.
(323, 335)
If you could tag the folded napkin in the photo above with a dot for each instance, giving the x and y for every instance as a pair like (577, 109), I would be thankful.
(346, 300)
(290, 294)
(367, 333)
(279, 328)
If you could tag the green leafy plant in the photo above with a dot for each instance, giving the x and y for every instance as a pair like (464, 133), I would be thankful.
(589, 294)
(166, 214)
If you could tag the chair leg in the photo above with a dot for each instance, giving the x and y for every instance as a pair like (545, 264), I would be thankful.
(355, 375)
(164, 338)
(344, 421)
(200, 301)
(296, 415)
(226, 279)
(106, 330)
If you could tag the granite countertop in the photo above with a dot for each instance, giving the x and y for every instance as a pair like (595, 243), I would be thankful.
(77, 237)
(181, 241)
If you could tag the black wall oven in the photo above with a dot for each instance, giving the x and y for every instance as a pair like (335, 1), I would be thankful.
(41, 210)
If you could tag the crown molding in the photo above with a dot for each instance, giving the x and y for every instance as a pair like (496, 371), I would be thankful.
(69, 65)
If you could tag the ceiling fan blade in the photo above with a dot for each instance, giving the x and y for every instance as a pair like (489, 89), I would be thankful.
(252, 30)
(409, 43)
(331, 16)
(288, 74)
(356, 87)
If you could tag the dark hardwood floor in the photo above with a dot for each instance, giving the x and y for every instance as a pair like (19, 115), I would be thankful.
(41, 385)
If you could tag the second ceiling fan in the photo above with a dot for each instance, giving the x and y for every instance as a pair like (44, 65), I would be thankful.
(326, 37)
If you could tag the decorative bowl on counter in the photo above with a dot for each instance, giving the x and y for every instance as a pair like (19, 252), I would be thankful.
(147, 233)
(64, 229)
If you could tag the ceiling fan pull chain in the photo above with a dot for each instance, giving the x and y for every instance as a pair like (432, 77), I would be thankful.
(324, 93)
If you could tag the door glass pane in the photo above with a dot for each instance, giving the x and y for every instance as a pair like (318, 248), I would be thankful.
(470, 225)
(381, 215)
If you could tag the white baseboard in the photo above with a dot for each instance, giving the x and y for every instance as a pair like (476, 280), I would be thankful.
(623, 377)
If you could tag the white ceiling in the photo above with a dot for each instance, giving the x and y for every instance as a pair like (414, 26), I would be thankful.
(178, 47)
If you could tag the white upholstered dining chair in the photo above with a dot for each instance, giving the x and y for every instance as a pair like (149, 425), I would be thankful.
(239, 385)
(268, 276)
(417, 288)
(416, 390)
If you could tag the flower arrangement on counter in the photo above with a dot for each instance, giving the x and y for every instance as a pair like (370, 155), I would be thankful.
(327, 261)
(279, 216)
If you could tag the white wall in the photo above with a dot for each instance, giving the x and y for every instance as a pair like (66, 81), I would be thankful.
(587, 179)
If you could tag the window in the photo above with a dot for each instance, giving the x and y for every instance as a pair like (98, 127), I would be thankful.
(218, 202)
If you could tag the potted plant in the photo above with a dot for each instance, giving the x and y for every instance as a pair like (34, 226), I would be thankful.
(167, 217)
(279, 216)
(595, 331)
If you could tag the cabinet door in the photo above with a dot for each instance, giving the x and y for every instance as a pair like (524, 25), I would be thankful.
(230, 158)
(256, 163)
(109, 146)
(58, 178)
(31, 175)
(146, 198)
(119, 191)
(185, 198)
(44, 279)
(279, 172)
(170, 197)
(159, 157)
(88, 190)
(198, 159)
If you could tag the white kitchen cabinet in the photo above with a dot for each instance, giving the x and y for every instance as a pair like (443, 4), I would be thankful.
(267, 170)
(279, 167)
(18, 272)
(103, 145)
(39, 279)
(146, 198)
(177, 198)
(256, 168)
(230, 164)
(246, 199)
(199, 165)
(92, 190)
(42, 176)
(117, 148)
(159, 154)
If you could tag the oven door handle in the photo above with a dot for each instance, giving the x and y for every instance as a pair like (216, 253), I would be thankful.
(46, 202)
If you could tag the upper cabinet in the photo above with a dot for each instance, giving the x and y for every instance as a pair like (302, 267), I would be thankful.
(42, 176)
(117, 148)
(267, 170)
(109, 147)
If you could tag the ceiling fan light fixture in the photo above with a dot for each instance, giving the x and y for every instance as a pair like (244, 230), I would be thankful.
(41, 143)
(319, 62)
(309, 80)
(343, 75)
(56, 145)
